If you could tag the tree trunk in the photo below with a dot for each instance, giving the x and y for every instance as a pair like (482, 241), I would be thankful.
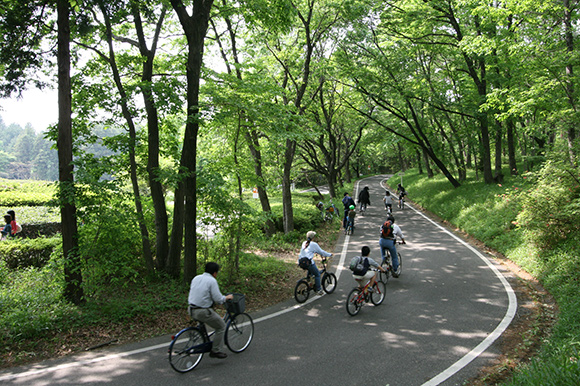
(427, 164)
(419, 161)
(511, 147)
(570, 89)
(146, 245)
(73, 290)
(498, 177)
(286, 186)
(253, 144)
(195, 28)
(157, 193)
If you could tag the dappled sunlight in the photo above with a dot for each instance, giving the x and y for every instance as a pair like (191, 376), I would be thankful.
(313, 313)
(392, 341)
(102, 372)
(464, 335)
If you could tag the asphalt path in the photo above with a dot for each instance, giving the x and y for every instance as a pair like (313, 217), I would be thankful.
(438, 325)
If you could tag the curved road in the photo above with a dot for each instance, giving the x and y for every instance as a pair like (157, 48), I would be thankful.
(437, 326)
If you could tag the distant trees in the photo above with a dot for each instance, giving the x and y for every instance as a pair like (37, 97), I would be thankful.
(25, 154)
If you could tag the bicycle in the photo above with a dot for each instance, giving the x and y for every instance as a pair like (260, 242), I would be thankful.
(329, 212)
(349, 228)
(305, 285)
(357, 296)
(363, 209)
(188, 345)
(387, 265)
(402, 201)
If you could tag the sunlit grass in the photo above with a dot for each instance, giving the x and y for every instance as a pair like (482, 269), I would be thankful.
(489, 213)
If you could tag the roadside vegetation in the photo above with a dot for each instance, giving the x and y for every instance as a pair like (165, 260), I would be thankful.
(532, 219)
(123, 302)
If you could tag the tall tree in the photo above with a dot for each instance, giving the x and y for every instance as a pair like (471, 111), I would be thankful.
(195, 29)
(72, 262)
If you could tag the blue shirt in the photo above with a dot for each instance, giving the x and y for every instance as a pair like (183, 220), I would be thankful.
(204, 291)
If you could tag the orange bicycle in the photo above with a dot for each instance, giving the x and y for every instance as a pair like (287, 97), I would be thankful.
(357, 296)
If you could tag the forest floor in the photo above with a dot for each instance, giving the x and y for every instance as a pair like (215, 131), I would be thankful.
(518, 344)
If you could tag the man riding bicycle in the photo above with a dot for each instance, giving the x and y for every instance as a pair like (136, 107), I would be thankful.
(203, 293)
(389, 233)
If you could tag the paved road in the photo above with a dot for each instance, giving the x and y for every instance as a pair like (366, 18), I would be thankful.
(437, 326)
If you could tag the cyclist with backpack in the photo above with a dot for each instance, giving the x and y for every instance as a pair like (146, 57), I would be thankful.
(347, 201)
(388, 240)
(360, 267)
(351, 216)
(306, 259)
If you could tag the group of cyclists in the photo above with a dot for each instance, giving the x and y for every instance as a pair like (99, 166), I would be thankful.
(387, 240)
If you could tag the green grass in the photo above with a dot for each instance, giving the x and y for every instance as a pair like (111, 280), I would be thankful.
(489, 213)
(34, 314)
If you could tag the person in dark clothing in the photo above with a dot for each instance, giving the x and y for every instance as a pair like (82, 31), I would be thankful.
(364, 198)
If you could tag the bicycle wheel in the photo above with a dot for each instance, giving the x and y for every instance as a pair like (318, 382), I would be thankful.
(187, 348)
(378, 295)
(384, 276)
(400, 263)
(354, 302)
(239, 332)
(328, 282)
(302, 291)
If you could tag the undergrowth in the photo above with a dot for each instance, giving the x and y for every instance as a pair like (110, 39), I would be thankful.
(532, 220)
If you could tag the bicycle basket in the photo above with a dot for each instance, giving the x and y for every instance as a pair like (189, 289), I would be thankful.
(237, 305)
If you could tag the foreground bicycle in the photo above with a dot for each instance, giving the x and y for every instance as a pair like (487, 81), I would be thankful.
(387, 265)
(357, 296)
(188, 345)
(305, 285)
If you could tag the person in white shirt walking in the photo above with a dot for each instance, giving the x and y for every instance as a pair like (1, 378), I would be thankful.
(203, 293)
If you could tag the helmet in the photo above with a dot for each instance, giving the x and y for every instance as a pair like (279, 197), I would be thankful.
(351, 207)
(391, 218)
(310, 234)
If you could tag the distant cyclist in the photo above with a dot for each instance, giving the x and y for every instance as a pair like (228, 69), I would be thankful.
(389, 233)
(351, 216)
(347, 201)
(401, 192)
(388, 200)
(364, 198)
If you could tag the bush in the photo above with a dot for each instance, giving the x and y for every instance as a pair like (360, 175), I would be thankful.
(551, 210)
(23, 253)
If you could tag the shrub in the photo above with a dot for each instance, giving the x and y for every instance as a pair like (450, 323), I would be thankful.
(22, 253)
(551, 210)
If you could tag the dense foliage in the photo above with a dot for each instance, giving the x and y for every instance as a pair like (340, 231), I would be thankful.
(517, 218)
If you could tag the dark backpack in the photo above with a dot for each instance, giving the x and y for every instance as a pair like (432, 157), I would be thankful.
(304, 262)
(359, 265)
(387, 230)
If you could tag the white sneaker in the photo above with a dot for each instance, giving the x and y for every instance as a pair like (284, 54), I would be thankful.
(321, 292)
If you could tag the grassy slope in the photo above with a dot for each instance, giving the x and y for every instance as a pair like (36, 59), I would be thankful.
(488, 212)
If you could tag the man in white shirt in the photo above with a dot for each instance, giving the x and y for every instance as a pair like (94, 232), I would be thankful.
(203, 293)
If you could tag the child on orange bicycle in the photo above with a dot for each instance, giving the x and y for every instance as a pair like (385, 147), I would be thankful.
(361, 268)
